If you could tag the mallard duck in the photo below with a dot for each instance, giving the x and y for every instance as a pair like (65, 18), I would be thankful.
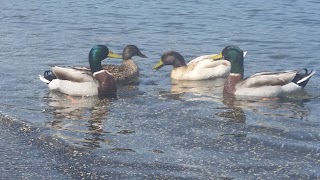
(200, 68)
(80, 82)
(263, 84)
(128, 71)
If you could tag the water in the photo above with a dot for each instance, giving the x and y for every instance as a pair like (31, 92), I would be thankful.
(158, 129)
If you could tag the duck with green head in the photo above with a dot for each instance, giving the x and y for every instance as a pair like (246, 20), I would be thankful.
(80, 82)
(263, 84)
(128, 71)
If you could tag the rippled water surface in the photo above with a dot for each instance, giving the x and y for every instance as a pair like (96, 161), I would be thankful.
(160, 128)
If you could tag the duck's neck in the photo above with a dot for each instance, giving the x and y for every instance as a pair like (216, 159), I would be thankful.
(95, 65)
(235, 76)
(179, 64)
(231, 82)
(129, 64)
(126, 56)
(237, 66)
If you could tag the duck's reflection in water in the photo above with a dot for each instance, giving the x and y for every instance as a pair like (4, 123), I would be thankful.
(287, 107)
(194, 90)
(234, 113)
(79, 119)
(203, 87)
(206, 90)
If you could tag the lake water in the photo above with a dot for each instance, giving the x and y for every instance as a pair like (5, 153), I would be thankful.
(158, 129)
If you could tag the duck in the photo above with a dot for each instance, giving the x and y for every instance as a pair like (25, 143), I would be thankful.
(128, 72)
(78, 81)
(262, 84)
(200, 68)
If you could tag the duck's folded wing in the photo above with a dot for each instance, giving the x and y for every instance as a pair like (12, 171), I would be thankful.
(208, 63)
(269, 79)
(209, 56)
(113, 69)
(200, 58)
(75, 74)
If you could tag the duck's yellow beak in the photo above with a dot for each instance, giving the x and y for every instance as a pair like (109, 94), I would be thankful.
(217, 57)
(114, 55)
(158, 65)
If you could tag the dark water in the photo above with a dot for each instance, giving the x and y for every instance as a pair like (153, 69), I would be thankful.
(158, 129)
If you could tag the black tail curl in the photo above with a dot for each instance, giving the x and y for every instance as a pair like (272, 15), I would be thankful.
(302, 77)
(49, 75)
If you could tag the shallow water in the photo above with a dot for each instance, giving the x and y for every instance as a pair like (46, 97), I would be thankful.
(159, 128)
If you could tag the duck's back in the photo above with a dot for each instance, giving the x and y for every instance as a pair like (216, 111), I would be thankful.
(126, 73)
(202, 70)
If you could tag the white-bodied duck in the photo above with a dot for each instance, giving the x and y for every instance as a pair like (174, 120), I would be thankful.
(81, 82)
(200, 68)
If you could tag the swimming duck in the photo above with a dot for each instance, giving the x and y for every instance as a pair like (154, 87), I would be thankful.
(80, 82)
(200, 68)
(263, 84)
(128, 71)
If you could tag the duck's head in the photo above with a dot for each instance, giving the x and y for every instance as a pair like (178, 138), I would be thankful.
(131, 50)
(170, 58)
(233, 54)
(99, 53)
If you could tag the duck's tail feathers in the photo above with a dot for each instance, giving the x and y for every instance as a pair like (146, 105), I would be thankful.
(245, 53)
(47, 77)
(44, 79)
(302, 77)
